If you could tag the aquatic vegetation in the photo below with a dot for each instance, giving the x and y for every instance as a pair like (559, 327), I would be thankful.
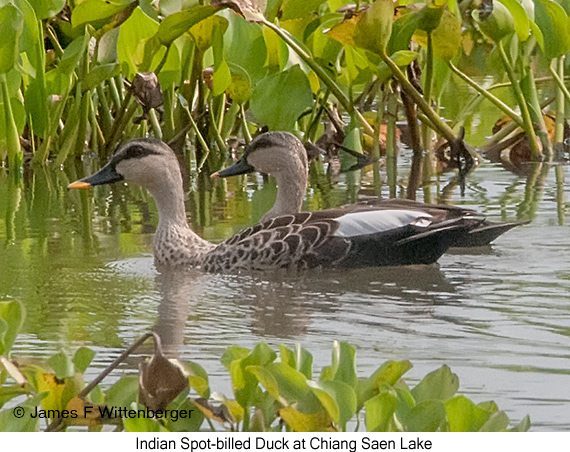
(91, 74)
(271, 392)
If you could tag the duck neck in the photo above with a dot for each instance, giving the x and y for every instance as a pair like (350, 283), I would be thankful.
(291, 190)
(175, 244)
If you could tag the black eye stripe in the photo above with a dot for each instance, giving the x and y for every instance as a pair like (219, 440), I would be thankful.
(139, 148)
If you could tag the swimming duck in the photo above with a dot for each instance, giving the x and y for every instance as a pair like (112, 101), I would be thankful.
(355, 236)
(283, 156)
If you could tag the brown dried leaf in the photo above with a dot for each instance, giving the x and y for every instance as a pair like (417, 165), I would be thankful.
(160, 380)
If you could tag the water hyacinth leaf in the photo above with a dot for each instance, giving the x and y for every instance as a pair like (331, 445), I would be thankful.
(497, 422)
(553, 23)
(464, 416)
(240, 86)
(266, 379)
(12, 22)
(47, 8)
(522, 426)
(292, 384)
(82, 358)
(222, 75)
(537, 35)
(134, 34)
(179, 23)
(251, 10)
(203, 31)
(303, 361)
(93, 10)
(344, 32)
(427, 416)
(62, 365)
(73, 53)
(338, 398)
(389, 373)
(244, 46)
(123, 393)
(446, 38)
(373, 30)
(441, 384)
(380, 411)
(143, 424)
(430, 16)
(278, 100)
(498, 25)
(402, 58)
(403, 29)
(233, 353)
(7, 393)
(343, 367)
(520, 17)
(99, 74)
(286, 356)
(296, 9)
(12, 316)
(198, 379)
(302, 422)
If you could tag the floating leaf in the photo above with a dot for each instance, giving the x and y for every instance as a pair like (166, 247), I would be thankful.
(301, 422)
(47, 8)
(338, 398)
(380, 411)
(93, 10)
(554, 26)
(12, 316)
(82, 358)
(427, 416)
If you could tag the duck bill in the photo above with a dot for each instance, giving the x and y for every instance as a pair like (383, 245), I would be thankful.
(239, 167)
(106, 175)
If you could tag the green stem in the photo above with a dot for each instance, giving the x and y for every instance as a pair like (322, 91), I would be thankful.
(428, 85)
(155, 123)
(559, 130)
(440, 125)
(391, 144)
(14, 152)
(560, 83)
(527, 122)
(487, 95)
(322, 74)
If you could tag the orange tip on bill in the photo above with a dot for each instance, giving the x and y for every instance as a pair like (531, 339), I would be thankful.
(215, 175)
(79, 184)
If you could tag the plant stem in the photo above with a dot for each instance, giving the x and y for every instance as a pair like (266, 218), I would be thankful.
(321, 73)
(527, 123)
(487, 95)
(441, 126)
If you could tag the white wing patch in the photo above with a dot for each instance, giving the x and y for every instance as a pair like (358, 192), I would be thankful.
(370, 222)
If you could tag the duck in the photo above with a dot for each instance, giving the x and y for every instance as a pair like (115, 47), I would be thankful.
(362, 236)
(283, 156)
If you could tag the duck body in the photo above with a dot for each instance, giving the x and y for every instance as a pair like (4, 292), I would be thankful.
(283, 156)
(360, 235)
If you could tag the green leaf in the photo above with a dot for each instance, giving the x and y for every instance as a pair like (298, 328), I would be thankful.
(82, 358)
(198, 379)
(441, 384)
(222, 75)
(497, 422)
(523, 426)
(446, 38)
(12, 22)
(73, 53)
(62, 365)
(278, 100)
(12, 316)
(135, 32)
(373, 30)
(297, 9)
(99, 74)
(338, 398)
(291, 383)
(93, 10)
(380, 411)
(403, 29)
(464, 416)
(553, 23)
(430, 16)
(179, 23)
(123, 393)
(427, 416)
(46, 9)
(7, 393)
(266, 379)
(344, 362)
(303, 361)
(389, 373)
(520, 17)
(498, 25)
(233, 353)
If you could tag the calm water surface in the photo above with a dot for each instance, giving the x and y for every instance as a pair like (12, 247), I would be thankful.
(500, 317)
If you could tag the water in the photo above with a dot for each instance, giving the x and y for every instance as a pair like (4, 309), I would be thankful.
(500, 317)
